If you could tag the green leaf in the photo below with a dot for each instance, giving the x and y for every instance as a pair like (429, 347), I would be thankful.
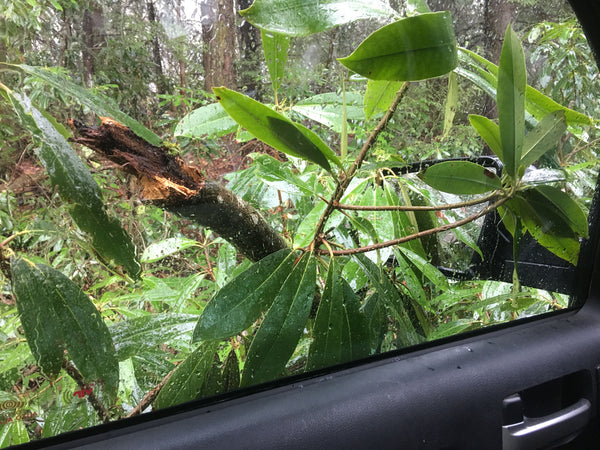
(327, 109)
(340, 330)
(76, 184)
(275, 47)
(547, 227)
(186, 381)
(379, 96)
(406, 314)
(109, 239)
(536, 103)
(57, 315)
(490, 132)
(238, 304)
(283, 325)
(543, 137)
(417, 7)
(304, 17)
(206, 121)
(451, 104)
(161, 249)
(512, 82)
(102, 106)
(134, 336)
(460, 177)
(415, 48)
(276, 130)
(431, 272)
(552, 199)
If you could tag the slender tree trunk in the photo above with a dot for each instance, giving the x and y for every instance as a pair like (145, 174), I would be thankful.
(249, 43)
(218, 34)
(497, 15)
(156, 57)
(93, 37)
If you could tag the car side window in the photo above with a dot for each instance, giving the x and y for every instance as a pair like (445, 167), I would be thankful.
(201, 196)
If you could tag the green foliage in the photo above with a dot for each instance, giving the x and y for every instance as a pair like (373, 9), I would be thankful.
(410, 49)
(366, 273)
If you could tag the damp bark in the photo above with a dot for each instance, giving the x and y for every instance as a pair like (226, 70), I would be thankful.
(167, 181)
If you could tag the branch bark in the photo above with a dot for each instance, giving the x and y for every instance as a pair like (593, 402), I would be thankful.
(169, 182)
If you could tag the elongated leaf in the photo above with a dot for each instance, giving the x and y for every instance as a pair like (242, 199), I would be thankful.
(134, 336)
(543, 137)
(415, 48)
(275, 47)
(406, 314)
(75, 184)
(186, 382)
(237, 305)
(485, 75)
(283, 325)
(512, 82)
(431, 272)
(57, 315)
(379, 96)
(100, 105)
(276, 130)
(561, 204)
(161, 249)
(490, 132)
(304, 17)
(547, 227)
(460, 177)
(327, 109)
(451, 103)
(340, 329)
(206, 121)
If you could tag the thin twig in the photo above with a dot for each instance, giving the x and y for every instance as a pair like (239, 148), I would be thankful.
(465, 204)
(421, 234)
(150, 396)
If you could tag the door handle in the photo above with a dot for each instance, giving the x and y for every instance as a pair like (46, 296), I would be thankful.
(538, 432)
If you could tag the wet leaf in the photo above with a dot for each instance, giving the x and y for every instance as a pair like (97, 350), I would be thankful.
(134, 336)
(57, 315)
(304, 17)
(543, 137)
(460, 177)
(161, 249)
(451, 103)
(379, 96)
(415, 48)
(206, 121)
(275, 47)
(186, 382)
(283, 325)
(239, 303)
(512, 82)
(276, 130)
(340, 330)
(327, 109)
(490, 132)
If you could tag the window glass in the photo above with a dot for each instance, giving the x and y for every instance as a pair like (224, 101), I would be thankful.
(199, 196)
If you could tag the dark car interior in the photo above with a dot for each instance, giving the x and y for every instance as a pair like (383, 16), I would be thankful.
(529, 384)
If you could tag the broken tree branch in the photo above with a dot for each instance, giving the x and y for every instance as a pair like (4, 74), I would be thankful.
(169, 182)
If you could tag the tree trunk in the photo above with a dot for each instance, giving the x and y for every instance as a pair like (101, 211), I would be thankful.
(218, 34)
(497, 15)
(156, 57)
(249, 43)
(93, 38)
